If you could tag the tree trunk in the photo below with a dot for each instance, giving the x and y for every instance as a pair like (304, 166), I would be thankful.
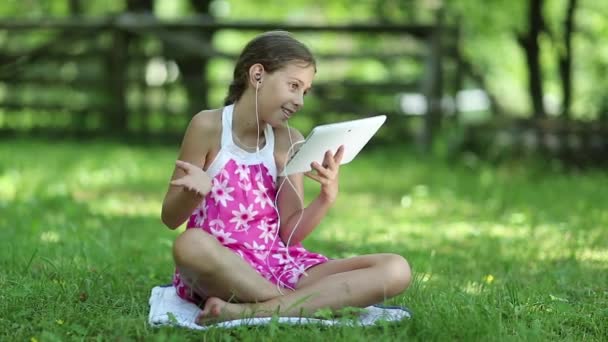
(78, 118)
(75, 7)
(140, 6)
(433, 85)
(529, 42)
(565, 59)
(117, 66)
(143, 110)
(194, 69)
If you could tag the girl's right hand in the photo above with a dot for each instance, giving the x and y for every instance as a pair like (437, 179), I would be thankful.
(195, 179)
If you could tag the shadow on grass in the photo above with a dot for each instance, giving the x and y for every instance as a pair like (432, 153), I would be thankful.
(68, 264)
(495, 254)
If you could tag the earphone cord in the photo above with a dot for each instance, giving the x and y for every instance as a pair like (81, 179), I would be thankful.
(243, 144)
(292, 145)
(293, 230)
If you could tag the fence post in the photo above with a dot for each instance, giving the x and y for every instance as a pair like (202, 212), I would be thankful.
(433, 84)
(116, 119)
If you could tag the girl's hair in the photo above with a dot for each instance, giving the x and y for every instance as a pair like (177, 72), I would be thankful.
(273, 50)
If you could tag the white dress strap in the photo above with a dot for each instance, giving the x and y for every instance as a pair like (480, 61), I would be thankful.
(229, 150)
(227, 126)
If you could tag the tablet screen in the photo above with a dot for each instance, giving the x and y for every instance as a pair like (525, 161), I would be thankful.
(353, 134)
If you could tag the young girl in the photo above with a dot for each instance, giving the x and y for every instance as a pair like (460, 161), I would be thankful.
(241, 252)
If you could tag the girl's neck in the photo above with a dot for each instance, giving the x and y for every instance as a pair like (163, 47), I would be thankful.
(244, 124)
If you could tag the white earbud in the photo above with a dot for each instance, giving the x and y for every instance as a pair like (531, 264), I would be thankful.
(258, 78)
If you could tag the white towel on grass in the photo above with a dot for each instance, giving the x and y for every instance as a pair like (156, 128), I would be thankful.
(166, 308)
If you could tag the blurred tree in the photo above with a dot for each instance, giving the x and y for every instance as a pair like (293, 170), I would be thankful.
(529, 43)
(572, 60)
(194, 70)
(571, 51)
(75, 7)
(565, 58)
(145, 6)
(193, 67)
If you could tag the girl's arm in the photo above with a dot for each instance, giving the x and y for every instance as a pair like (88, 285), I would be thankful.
(291, 197)
(189, 183)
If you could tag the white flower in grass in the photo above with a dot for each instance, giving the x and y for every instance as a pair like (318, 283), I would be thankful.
(268, 230)
(221, 192)
(222, 236)
(261, 196)
(242, 217)
(243, 171)
(259, 250)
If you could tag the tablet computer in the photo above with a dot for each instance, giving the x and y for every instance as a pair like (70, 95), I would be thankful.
(353, 134)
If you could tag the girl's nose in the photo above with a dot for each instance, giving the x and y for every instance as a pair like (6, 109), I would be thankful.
(299, 101)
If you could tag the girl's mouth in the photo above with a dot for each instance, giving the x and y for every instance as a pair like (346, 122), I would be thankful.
(286, 112)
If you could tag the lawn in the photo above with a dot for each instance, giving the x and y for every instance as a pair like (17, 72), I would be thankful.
(516, 251)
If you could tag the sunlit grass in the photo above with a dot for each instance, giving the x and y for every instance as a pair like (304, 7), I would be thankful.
(514, 251)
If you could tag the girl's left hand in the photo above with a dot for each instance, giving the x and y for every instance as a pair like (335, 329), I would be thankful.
(327, 174)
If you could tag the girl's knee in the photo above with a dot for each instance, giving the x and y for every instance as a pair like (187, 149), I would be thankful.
(194, 248)
(399, 274)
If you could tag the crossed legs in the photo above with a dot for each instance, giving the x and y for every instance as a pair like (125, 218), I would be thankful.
(213, 270)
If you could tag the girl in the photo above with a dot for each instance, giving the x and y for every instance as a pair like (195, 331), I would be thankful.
(241, 252)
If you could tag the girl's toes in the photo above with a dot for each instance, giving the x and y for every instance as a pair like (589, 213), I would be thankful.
(215, 310)
(211, 312)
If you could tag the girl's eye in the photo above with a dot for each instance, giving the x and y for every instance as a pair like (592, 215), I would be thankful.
(294, 86)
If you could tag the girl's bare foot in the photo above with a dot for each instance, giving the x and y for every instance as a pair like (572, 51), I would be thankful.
(217, 310)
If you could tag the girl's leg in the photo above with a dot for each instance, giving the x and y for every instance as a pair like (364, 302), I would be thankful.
(318, 272)
(212, 270)
(359, 281)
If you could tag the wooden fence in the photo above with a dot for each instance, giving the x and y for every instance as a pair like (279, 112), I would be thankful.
(90, 76)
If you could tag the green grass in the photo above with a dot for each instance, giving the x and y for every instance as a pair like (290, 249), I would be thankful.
(517, 251)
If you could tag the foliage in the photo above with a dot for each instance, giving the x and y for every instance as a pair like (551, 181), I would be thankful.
(509, 252)
(488, 30)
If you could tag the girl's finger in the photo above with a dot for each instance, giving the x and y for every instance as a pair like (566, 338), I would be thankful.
(313, 176)
(184, 165)
(339, 155)
(320, 169)
(328, 161)
(178, 182)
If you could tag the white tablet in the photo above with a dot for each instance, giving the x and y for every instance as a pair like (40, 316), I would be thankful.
(352, 134)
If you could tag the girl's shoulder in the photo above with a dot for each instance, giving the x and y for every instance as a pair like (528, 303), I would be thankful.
(286, 136)
(207, 121)
(203, 132)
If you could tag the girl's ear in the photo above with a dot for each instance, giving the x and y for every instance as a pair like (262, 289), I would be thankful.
(256, 74)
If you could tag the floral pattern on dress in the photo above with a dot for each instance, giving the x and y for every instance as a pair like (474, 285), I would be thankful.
(240, 213)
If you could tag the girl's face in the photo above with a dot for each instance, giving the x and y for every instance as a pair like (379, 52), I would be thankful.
(281, 94)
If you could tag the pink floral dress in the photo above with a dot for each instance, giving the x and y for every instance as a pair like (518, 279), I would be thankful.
(240, 213)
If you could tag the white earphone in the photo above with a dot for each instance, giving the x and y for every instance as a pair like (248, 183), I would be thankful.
(258, 78)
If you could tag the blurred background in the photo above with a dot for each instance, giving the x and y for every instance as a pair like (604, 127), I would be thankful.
(498, 78)
(489, 174)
